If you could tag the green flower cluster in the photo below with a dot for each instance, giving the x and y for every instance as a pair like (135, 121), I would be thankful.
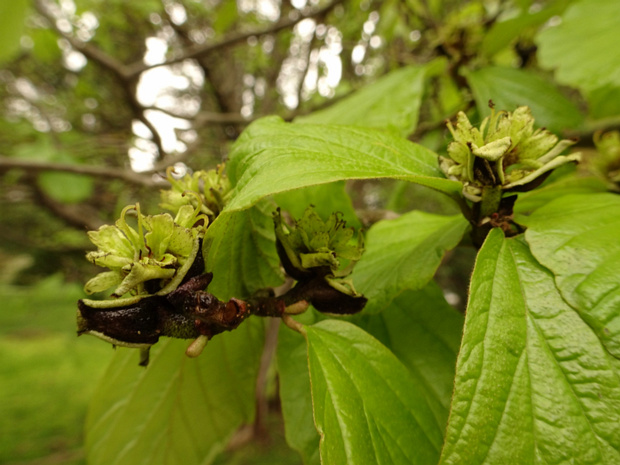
(159, 251)
(505, 152)
(312, 247)
(208, 189)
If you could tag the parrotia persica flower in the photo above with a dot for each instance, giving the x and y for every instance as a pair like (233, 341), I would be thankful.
(209, 190)
(505, 151)
(151, 258)
(313, 248)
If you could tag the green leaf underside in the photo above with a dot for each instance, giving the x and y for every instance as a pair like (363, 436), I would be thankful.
(272, 156)
(404, 254)
(580, 48)
(534, 385)
(424, 332)
(578, 238)
(295, 396)
(178, 410)
(510, 88)
(239, 247)
(392, 102)
(368, 408)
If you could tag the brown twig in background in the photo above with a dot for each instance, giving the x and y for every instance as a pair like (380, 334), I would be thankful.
(137, 68)
(126, 175)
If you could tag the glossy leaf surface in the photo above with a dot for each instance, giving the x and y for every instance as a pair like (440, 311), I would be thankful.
(392, 102)
(534, 384)
(272, 156)
(177, 410)
(424, 332)
(404, 254)
(578, 238)
(368, 407)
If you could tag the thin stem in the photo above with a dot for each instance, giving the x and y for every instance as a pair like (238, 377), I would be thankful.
(293, 324)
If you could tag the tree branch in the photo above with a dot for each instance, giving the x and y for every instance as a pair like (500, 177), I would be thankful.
(129, 176)
(88, 49)
(137, 68)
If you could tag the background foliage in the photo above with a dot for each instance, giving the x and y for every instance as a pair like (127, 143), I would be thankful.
(98, 98)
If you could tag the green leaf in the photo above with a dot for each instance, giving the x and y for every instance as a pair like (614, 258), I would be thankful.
(272, 156)
(578, 238)
(392, 102)
(404, 254)
(66, 187)
(604, 102)
(295, 396)
(368, 408)
(239, 248)
(579, 48)
(502, 33)
(13, 16)
(62, 187)
(510, 88)
(424, 332)
(326, 198)
(534, 385)
(177, 410)
(536, 198)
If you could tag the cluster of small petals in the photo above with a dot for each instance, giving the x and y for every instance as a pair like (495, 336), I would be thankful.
(505, 151)
(158, 249)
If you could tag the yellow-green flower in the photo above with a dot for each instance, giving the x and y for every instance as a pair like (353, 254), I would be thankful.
(505, 151)
(207, 190)
(313, 247)
(160, 251)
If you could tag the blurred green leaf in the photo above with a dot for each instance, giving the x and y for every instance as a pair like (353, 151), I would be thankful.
(62, 187)
(502, 33)
(534, 384)
(45, 46)
(392, 102)
(13, 16)
(66, 187)
(368, 407)
(178, 410)
(580, 49)
(510, 88)
(272, 156)
(604, 102)
(404, 254)
(578, 238)
(225, 17)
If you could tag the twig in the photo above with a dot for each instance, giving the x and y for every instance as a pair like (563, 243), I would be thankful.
(97, 171)
(137, 68)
